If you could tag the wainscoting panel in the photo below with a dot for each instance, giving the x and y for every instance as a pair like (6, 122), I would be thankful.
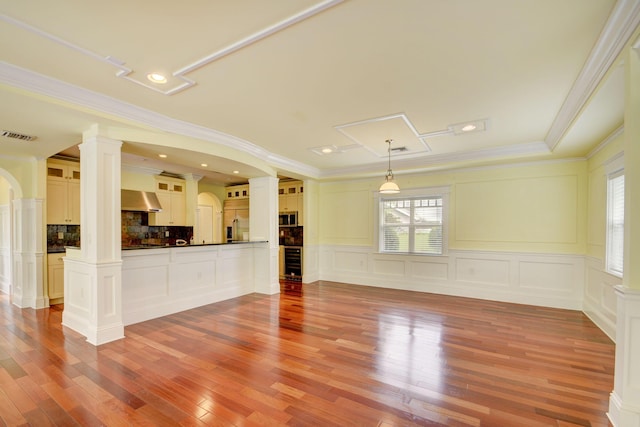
(350, 261)
(482, 270)
(5, 249)
(547, 276)
(389, 267)
(311, 263)
(5, 271)
(552, 280)
(600, 301)
(152, 282)
(157, 282)
(422, 270)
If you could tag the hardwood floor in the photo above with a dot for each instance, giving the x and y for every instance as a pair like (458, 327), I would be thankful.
(318, 354)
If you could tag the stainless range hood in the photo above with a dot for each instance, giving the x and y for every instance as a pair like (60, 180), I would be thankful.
(145, 201)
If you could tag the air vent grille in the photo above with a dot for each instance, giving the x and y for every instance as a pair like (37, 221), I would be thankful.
(399, 149)
(16, 135)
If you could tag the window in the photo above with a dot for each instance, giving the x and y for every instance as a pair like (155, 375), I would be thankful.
(413, 224)
(615, 222)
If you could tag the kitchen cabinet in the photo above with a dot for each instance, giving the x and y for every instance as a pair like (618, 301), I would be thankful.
(290, 198)
(55, 277)
(63, 193)
(238, 191)
(172, 197)
(288, 203)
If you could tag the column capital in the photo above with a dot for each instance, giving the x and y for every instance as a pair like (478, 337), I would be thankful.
(96, 134)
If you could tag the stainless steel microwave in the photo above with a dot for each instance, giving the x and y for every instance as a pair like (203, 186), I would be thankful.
(288, 219)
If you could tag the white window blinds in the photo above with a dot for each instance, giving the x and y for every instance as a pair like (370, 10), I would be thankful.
(412, 225)
(615, 223)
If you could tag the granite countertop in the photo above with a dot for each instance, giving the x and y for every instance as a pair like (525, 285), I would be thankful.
(56, 250)
(239, 242)
(62, 249)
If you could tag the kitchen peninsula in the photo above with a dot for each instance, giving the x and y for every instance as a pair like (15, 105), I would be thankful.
(161, 280)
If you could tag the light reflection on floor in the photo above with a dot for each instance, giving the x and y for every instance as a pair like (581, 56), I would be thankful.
(410, 351)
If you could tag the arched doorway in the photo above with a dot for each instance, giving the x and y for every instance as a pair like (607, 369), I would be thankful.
(208, 219)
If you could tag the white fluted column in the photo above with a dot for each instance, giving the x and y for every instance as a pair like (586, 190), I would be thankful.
(624, 404)
(263, 225)
(28, 254)
(93, 277)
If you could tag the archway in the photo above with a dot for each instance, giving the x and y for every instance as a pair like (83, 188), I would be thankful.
(208, 219)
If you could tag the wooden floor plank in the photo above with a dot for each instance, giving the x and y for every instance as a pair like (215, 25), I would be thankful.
(325, 354)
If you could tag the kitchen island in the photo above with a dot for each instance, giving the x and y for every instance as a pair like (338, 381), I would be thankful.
(161, 280)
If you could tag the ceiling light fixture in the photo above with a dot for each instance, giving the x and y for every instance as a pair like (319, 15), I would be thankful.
(236, 172)
(157, 78)
(468, 128)
(204, 165)
(389, 187)
(162, 156)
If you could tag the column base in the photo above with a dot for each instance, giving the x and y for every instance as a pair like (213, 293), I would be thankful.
(105, 334)
(621, 416)
(624, 403)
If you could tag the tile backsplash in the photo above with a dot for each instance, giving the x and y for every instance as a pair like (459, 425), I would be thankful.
(136, 231)
(291, 236)
(61, 235)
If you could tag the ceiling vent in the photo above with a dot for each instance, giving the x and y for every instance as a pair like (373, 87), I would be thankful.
(15, 135)
(399, 149)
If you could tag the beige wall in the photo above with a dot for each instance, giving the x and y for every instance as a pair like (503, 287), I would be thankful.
(4, 191)
(217, 190)
(27, 177)
(527, 208)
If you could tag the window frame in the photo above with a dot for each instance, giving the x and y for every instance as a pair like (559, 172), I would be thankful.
(416, 193)
(615, 171)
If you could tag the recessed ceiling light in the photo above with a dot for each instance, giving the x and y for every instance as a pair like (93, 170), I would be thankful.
(325, 149)
(157, 78)
(468, 127)
(162, 156)
(204, 165)
(236, 171)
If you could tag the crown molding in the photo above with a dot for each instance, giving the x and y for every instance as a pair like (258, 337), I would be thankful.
(285, 164)
(622, 22)
(613, 135)
(30, 81)
(421, 162)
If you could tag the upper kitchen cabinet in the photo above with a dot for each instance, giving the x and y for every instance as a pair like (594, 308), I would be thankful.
(172, 196)
(238, 191)
(63, 192)
(290, 198)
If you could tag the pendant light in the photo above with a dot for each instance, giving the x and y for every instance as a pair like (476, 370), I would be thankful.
(389, 187)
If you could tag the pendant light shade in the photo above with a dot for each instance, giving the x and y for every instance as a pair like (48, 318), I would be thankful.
(389, 187)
